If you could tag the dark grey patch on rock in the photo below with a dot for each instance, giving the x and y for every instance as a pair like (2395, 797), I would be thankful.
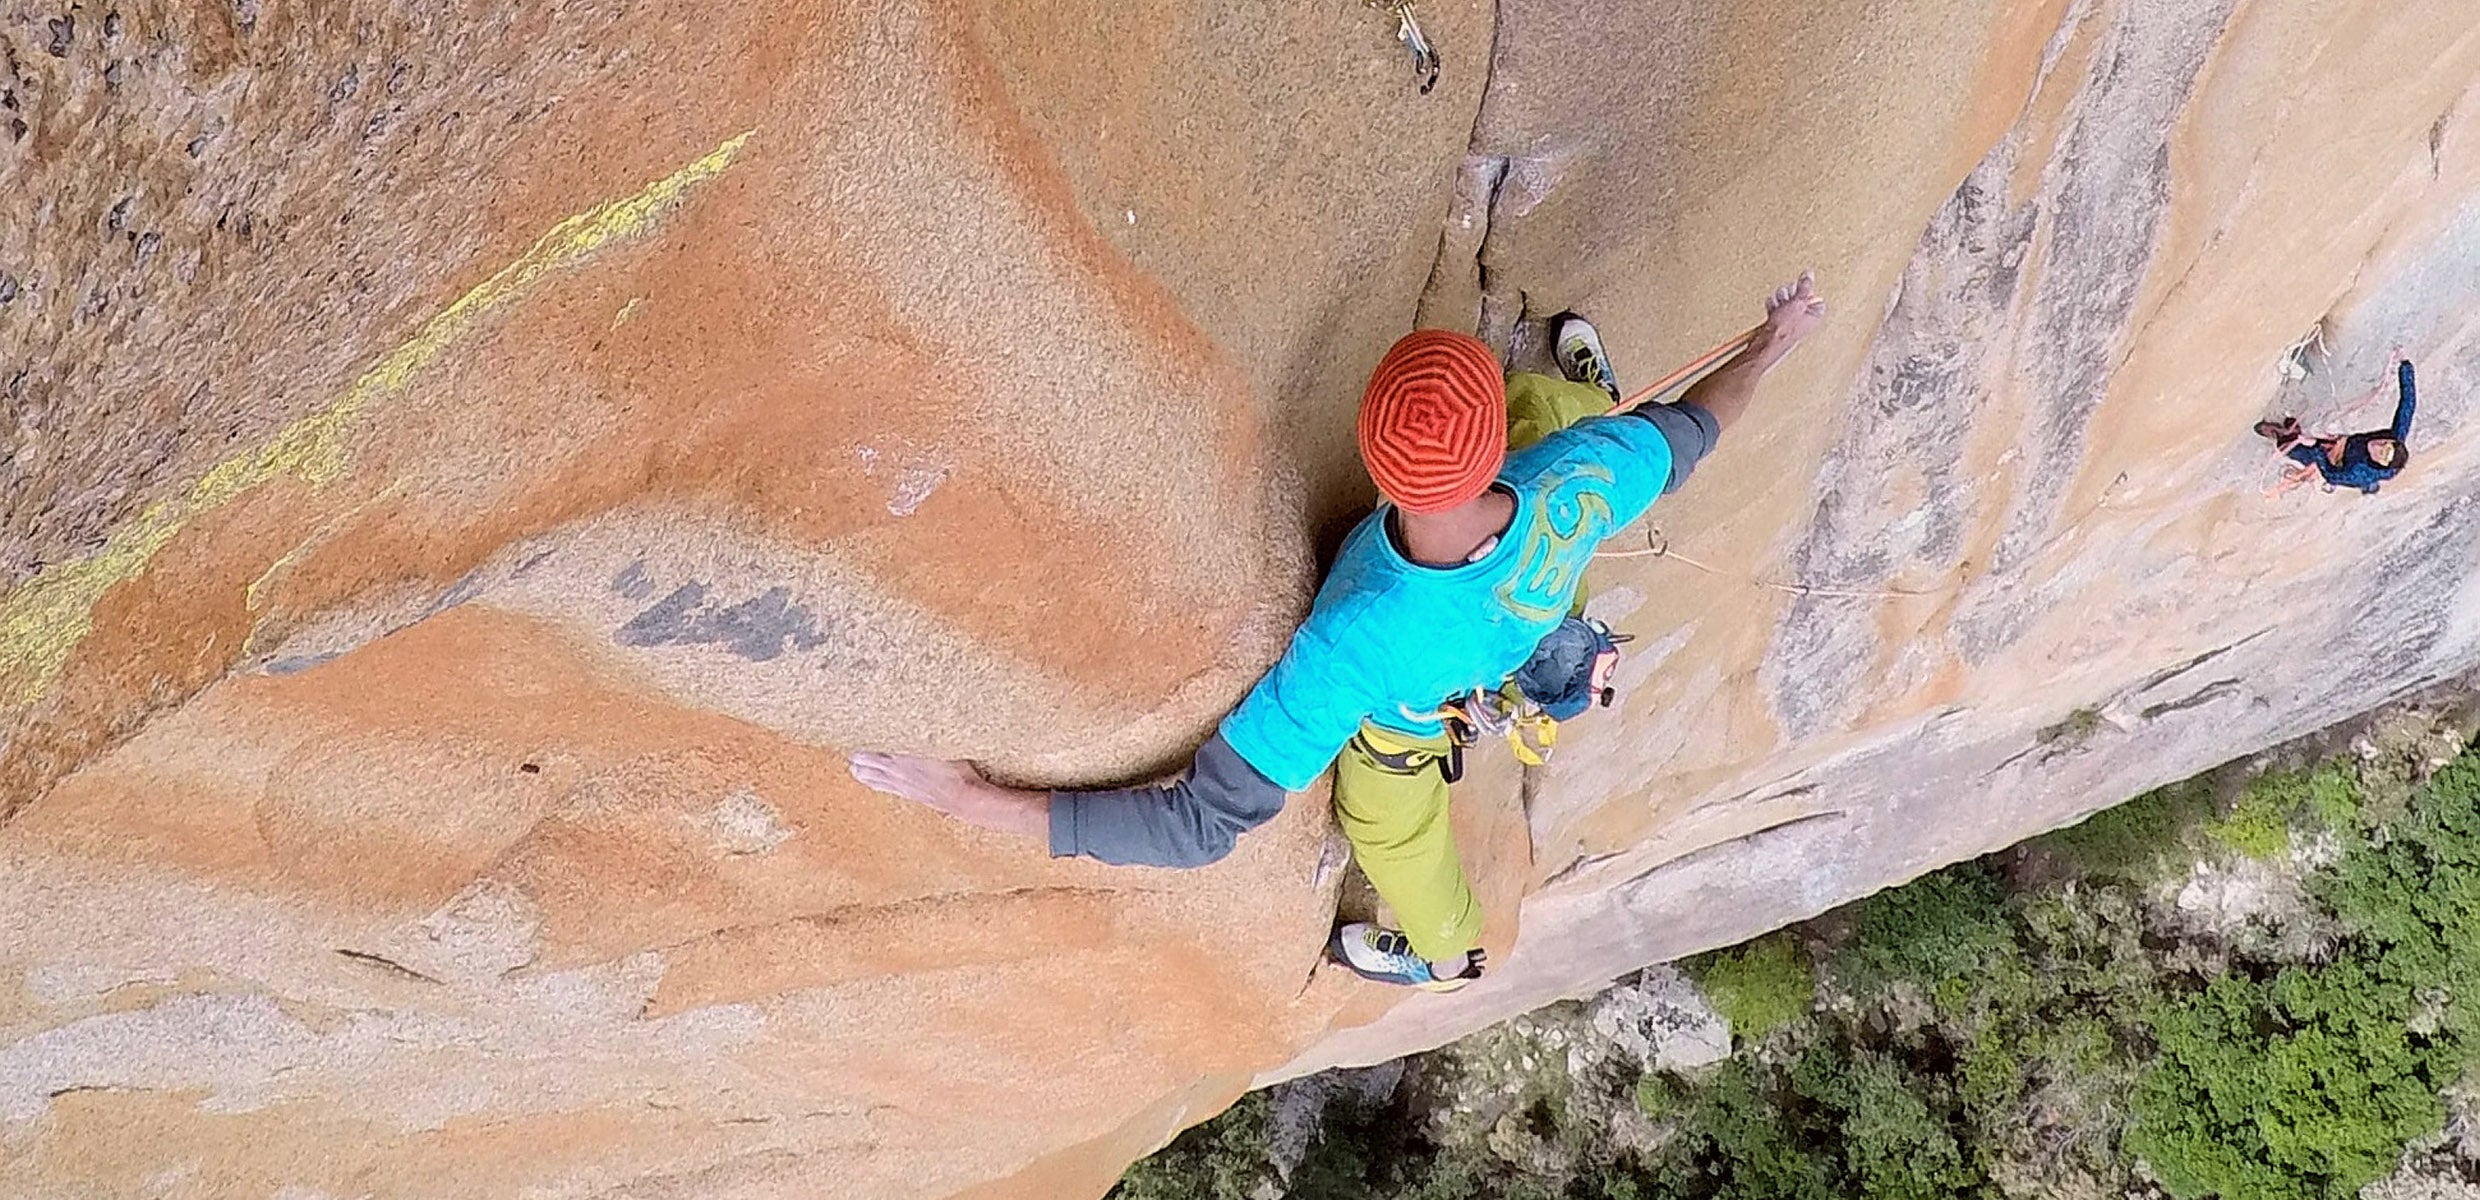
(2202, 696)
(757, 629)
(112, 26)
(147, 244)
(458, 593)
(118, 219)
(2396, 627)
(295, 664)
(8, 288)
(63, 30)
(384, 963)
(632, 581)
(245, 14)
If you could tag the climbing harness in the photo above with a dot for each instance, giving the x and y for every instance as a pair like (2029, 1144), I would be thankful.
(1408, 31)
(1569, 672)
(1504, 712)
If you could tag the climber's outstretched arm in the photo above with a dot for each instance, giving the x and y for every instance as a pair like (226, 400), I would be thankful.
(1791, 314)
(2407, 402)
(957, 789)
(1291, 724)
(1186, 824)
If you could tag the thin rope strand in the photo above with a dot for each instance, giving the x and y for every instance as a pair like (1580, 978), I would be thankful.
(1658, 547)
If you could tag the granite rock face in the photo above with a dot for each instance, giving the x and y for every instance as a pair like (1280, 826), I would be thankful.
(472, 472)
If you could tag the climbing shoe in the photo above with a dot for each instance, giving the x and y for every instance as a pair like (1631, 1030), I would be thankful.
(1578, 348)
(2284, 430)
(1377, 953)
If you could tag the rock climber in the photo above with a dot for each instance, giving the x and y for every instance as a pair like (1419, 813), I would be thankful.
(1447, 590)
(2360, 460)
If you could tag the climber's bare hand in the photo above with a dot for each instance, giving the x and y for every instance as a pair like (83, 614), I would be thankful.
(957, 789)
(1792, 313)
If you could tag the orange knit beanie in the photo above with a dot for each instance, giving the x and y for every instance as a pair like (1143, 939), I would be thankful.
(1433, 425)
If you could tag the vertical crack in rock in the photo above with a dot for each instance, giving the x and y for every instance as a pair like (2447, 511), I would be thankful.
(1458, 278)
(1461, 292)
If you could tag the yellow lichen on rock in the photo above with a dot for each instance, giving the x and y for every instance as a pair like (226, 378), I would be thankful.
(43, 619)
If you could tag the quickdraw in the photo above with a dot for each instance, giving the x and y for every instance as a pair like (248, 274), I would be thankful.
(1570, 671)
(1506, 712)
(1408, 31)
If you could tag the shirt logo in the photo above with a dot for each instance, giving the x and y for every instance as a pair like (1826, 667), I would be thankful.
(1568, 521)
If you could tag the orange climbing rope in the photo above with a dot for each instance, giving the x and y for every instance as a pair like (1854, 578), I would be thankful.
(2294, 476)
(1696, 366)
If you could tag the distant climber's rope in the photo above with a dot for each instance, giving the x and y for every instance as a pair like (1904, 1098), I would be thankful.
(1658, 546)
(2290, 479)
(2294, 476)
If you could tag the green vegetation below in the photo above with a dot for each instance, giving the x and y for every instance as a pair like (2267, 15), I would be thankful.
(2059, 1020)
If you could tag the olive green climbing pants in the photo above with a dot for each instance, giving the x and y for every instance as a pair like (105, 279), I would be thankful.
(1541, 405)
(1391, 801)
(1391, 788)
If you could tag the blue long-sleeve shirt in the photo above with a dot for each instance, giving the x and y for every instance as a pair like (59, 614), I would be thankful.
(2409, 401)
(2356, 469)
(1388, 639)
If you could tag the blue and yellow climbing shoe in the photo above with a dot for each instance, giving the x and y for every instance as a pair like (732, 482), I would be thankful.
(1377, 953)
(1578, 347)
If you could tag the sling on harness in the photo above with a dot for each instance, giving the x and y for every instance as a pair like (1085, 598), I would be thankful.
(1568, 673)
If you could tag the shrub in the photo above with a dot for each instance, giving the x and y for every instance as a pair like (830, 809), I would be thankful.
(1893, 1126)
(2311, 1084)
(1738, 1142)
(2130, 840)
(2258, 826)
(2334, 796)
(1946, 925)
(2304, 1088)
(1223, 1159)
(2413, 901)
(1759, 987)
(1661, 1097)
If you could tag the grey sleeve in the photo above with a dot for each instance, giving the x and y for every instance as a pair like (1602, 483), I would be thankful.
(1185, 824)
(1689, 429)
